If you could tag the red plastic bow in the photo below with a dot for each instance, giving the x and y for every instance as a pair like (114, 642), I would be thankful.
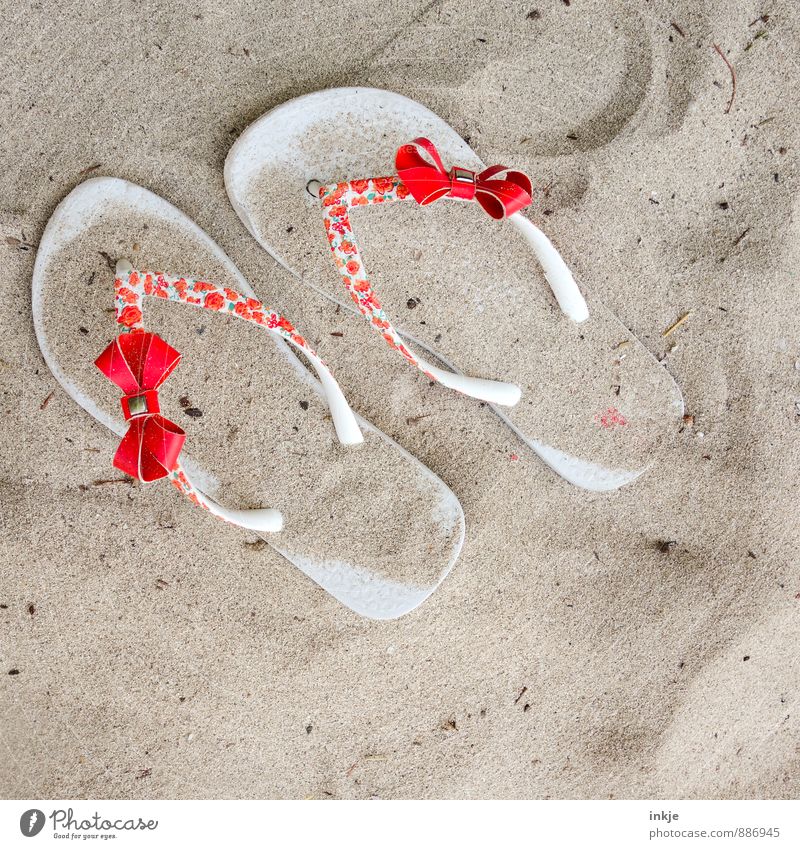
(139, 363)
(427, 183)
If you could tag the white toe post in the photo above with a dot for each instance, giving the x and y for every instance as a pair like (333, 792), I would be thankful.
(559, 277)
(492, 391)
(344, 419)
(265, 521)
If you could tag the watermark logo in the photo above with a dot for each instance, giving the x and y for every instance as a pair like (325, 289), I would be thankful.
(31, 822)
(65, 823)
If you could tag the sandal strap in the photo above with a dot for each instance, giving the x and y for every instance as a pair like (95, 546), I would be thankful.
(337, 200)
(263, 520)
(131, 287)
(423, 176)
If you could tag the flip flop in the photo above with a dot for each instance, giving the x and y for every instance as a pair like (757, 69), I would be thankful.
(335, 496)
(457, 294)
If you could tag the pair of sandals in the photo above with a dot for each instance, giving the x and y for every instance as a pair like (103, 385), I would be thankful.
(347, 505)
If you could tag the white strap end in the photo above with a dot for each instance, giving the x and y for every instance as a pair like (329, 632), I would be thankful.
(558, 275)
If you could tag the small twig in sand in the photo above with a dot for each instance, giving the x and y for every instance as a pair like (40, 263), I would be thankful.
(521, 694)
(47, 400)
(19, 244)
(762, 33)
(675, 325)
(412, 420)
(111, 263)
(128, 481)
(741, 236)
(733, 78)
(375, 756)
(677, 29)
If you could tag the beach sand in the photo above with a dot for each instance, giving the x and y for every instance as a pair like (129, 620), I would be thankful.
(638, 644)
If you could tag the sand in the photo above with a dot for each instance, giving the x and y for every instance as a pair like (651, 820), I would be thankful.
(584, 646)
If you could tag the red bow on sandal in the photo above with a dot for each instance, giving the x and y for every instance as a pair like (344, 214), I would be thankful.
(428, 183)
(139, 363)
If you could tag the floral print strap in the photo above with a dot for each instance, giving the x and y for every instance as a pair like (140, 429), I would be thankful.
(337, 200)
(131, 286)
(336, 203)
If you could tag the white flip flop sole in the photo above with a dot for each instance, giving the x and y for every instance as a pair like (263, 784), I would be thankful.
(380, 566)
(596, 406)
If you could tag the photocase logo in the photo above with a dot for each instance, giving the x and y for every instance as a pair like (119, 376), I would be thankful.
(65, 823)
(31, 822)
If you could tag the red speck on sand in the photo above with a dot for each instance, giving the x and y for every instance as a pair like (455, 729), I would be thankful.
(611, 418)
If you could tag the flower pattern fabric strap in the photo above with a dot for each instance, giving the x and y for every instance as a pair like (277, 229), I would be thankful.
(132, 286)
(337, 200)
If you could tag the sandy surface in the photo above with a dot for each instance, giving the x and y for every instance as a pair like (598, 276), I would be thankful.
(572, 652)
